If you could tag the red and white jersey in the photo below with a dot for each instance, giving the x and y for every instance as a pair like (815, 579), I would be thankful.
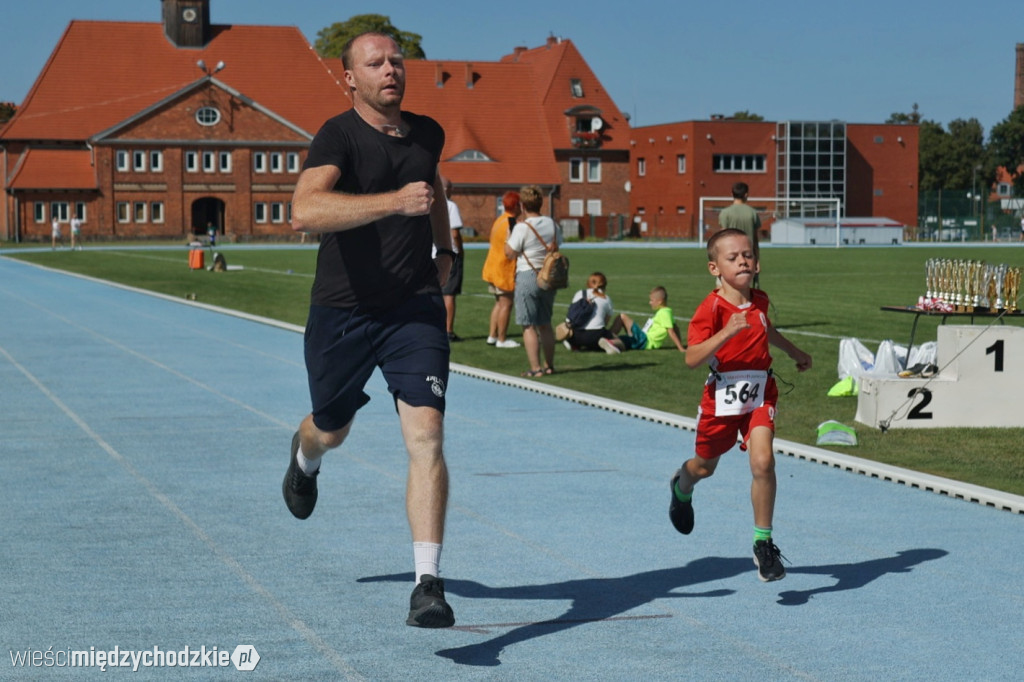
(745, 351)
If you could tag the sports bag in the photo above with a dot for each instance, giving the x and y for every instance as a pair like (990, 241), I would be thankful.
(554, 271)
(580, 311)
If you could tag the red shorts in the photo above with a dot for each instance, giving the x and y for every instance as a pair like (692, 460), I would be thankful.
(717, 435)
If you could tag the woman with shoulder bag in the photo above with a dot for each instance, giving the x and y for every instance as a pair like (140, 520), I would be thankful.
(529, 243)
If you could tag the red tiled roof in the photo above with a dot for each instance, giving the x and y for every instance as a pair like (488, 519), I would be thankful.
(500, 115)
(555, 64)
(101, 73)
(51, 169)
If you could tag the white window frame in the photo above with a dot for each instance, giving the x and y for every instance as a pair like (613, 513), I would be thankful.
(259, 212)
(276, 162)
(209, 162)
(593, 169)
(576, 169)
(139, 211)
(156, 161)
(59, 210)
(293, 162)
(191, 162)
(594, 207)
(156, 211)
(123, 213)
(79, 210)
(680, 164)
(39, 211)
(139, 160)
(576, 208)
(122, 160)
(259, 162)
(208, 116)
(224, 162)
(641, 166)
(277, 212)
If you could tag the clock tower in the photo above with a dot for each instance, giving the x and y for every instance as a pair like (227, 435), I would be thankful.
(187, 22)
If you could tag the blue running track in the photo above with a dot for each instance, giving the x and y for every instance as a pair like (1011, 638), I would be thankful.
(143, 444)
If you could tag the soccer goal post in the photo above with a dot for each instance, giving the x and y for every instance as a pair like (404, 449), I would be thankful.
(820, 210)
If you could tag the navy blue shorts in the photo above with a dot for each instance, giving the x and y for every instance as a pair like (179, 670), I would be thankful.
(343, 345)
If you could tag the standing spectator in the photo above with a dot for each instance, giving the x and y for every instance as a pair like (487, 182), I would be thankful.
(55, 237)
(500, 273)
(740, 216)
(368, 186)
(453, 287)
(529, 243)
(211, 232)
(76, 232)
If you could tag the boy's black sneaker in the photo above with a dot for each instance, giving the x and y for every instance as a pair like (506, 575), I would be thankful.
(298, 488)
(427, 607)
(681, 513)
(768, 560)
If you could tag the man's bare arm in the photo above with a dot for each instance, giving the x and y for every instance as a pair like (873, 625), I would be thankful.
(316, 207)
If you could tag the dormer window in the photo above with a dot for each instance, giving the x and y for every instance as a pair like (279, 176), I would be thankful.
(471, 155)
(576, 87)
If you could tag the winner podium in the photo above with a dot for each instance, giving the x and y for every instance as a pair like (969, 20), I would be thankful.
(981, 370)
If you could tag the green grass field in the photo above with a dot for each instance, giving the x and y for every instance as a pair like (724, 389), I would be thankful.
(819, 294)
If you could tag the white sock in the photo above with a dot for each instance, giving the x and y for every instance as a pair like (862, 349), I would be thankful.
(428, 558)
(308, 466)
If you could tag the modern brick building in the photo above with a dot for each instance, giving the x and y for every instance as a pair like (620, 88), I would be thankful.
(872, 169)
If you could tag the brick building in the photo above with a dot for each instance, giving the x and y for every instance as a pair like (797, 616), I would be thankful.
(872, 169)
(157, 129)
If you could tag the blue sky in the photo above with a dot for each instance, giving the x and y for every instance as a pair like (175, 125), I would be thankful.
(661, 61)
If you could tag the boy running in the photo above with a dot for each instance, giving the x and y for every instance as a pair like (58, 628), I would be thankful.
(730, 332)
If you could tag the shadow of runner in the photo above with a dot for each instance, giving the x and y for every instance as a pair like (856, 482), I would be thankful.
(592, 600)
(855, 576)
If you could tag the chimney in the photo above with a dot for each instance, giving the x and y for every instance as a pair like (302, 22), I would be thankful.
(440, 75)
(1018, 89)
(518, 51)
(552, 41)
(470, 76)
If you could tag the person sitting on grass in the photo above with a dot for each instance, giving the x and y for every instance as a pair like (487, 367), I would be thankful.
(653, 334)
(593, 335)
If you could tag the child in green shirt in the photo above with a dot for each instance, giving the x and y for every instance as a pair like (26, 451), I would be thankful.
(652, 335)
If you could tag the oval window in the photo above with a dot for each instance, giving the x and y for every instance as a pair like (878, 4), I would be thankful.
(207, 116)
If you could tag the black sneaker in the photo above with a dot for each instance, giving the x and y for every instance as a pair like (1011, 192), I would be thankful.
(681, 513)
(768, 560)
(298, 488)
(427, 607)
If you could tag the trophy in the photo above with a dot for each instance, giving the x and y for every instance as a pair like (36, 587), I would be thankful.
(1000, 283)
(1012, 289)
(959, 285)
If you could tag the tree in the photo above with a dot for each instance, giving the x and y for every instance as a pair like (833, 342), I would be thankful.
(746, 116)
(1006, 144)
(952, 159)
(914, 117)
(7, 110)
(330, 40)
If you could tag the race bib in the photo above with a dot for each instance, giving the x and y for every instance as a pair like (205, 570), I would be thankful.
(739, 392)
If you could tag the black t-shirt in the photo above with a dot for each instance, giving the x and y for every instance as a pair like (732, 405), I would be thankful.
(381, 264)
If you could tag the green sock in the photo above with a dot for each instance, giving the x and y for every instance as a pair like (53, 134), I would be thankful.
(682, 497)
(762, 533)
